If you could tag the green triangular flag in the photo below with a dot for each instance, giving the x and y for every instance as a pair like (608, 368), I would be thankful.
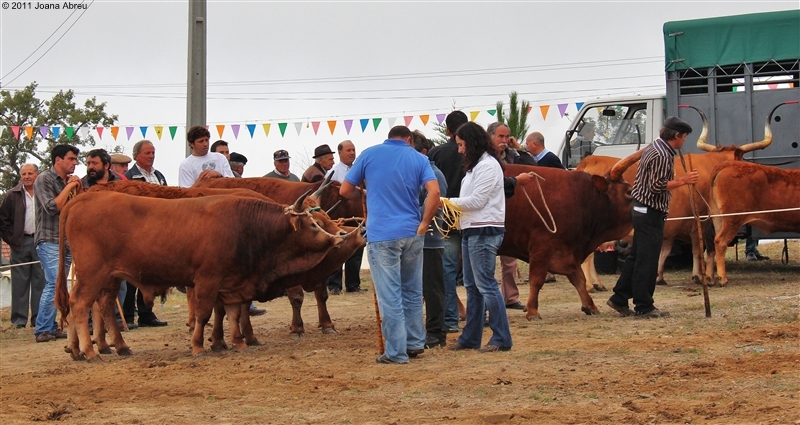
(375, 123)
(282, 127)
(492, 111)
(172, 130)
(70, 131)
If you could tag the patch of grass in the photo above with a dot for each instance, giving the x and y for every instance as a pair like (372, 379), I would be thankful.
(540, 397)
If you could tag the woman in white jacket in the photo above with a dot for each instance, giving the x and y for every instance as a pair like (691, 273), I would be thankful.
(483, 225)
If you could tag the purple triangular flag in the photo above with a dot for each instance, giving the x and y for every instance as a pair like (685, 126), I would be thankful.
(43, 130)
(347, 125)
(562, 108)
(235, 128)
(129, 130)
(440, 118)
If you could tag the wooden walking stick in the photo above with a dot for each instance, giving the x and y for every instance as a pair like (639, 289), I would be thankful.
(699, 235)
(374, 292)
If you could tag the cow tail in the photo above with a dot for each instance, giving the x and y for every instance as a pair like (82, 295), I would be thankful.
(62, 294)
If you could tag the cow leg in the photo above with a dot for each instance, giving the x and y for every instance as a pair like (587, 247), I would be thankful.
(536, 276)
(577, 280)
(726, 229)
(203, 305)
(190, 304)
(593, 282)
(99, 325)
(81, 299)
(73, 348)
(234, 311)
(246, 326)
(296, 295)
(697, 257)
(107, 302)
(325, 322)
(217, 333)
(666, 248)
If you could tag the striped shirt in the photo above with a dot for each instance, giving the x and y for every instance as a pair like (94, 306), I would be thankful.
(46, 188)
(656, 168)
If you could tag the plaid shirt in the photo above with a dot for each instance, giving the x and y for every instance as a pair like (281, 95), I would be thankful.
(46, 187)
(656, 168)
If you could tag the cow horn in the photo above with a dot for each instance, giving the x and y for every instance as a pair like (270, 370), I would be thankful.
(767, 132)
(619, 168)
(701, 141)
(323, 187)
(339, 202)
(298, 204)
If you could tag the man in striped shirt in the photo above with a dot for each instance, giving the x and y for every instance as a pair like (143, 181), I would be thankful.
(651, 195)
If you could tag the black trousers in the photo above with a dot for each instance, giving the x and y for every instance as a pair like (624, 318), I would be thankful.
(433, 292)
(352, 274)
(27, 283)
(135, 302)
(638, 277)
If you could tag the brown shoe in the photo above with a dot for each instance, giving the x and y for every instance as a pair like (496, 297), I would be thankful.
(652, 314)
(458, 347)
(491, 348)
(45, 337)
(625, 311)
(59, 334)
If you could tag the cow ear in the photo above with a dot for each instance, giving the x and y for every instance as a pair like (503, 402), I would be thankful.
(293, 221)
(600, 183)
(738, 154)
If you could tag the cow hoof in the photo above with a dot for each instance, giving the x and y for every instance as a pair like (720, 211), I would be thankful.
(95, 359)
(125, 352)
(661, 282)
(219, 348)
(297, 336)
(600, 288)
(329, 331)
(531, 316)
(254, 343)
(106, 350)
(588, 311)
(67, 349)
(696, 280)
(77, 357)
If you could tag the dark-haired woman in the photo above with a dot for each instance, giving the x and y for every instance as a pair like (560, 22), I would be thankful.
(483, 225)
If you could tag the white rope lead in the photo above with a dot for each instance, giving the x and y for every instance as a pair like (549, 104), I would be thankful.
(10, 266)
(739, 213)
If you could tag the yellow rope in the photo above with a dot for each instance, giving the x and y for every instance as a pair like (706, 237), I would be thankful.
(451, 215)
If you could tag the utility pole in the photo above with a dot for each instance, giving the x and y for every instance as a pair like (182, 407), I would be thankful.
(196, 80)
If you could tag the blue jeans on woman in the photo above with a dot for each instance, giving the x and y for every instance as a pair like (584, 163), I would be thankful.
(479, 255)
(396, 267)
(48, 256)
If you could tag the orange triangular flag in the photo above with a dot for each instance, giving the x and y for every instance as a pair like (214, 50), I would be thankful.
(114, 132)
(473, 115)
(29, 131)
(424, 119)
(266, 129)
(332, 125)
(544, 109)
(220, 129)
(159, 129)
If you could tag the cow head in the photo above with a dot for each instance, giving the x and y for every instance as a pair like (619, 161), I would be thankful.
(749, 147)
(306, 213)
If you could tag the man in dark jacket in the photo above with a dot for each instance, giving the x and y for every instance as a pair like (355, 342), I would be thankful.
(17, 228)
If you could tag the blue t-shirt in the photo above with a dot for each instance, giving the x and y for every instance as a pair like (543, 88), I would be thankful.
(393, 172)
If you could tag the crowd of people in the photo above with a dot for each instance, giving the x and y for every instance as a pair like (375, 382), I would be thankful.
(404, 179)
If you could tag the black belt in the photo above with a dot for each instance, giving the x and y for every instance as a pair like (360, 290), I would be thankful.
(31, 235)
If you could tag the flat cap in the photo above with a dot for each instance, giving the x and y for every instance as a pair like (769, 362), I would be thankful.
(677, 124)
(118, 158)
(237, 157)
(280, 154)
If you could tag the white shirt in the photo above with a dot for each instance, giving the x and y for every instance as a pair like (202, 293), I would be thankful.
(30, 214)
(339, 170)
(482, 197)
(192, 166)
(149, 177)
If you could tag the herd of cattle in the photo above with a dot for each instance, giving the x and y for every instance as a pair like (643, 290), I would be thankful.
(230, 241)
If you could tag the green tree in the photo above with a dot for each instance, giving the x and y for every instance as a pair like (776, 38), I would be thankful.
(440, 132)
(23, 108)
(517, 118)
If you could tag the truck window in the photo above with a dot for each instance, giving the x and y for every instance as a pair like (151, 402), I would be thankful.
(607, 126)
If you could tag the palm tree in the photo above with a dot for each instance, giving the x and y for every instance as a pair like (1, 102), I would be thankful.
(517, 119)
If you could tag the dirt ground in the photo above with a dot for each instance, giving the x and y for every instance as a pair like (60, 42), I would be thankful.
(740, 366)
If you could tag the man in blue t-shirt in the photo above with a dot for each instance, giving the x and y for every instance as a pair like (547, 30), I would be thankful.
(393, 173)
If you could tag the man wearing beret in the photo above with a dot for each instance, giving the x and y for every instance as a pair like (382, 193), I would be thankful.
(119, 164)
(281, 160)
(323, 161)
(655, 179)
(237, 161)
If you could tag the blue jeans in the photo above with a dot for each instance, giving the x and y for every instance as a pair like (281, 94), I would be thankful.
(452, 253)
(396, 267)
(48, 255)
(479, 254)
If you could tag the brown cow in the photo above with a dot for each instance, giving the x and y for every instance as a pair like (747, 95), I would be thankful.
(679, 224)
(586, 211)
(765, 188)
(226, 247)
(329, 200)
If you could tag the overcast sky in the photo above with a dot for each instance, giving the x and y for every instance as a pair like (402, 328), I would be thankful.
(300, 62)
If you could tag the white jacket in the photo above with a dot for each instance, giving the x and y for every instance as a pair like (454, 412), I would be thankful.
(482, 197)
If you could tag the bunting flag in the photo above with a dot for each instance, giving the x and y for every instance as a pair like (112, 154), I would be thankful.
(562, 108)
(473, 115)
(83, 132)
(529, 110)
(100, 130)
(15, 130)
(298, 126)
(128, 131)
(282, 127)
(43, 130)
(56, 132)
(315, 125)
(266, 127)
(544, 109)
(492, 111)
(29, 131)
(332, 125)
(159, 130)
(424, 119)
(408, 119)
(143, 129)
(251, 128)
(114, 132)
(348, 124)
(70, 132)
(172, 130)
(235, 128)
(440, 118)
(364, 123)
(579, 105)
(220, 129)
(375, 123)
(392, 120)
